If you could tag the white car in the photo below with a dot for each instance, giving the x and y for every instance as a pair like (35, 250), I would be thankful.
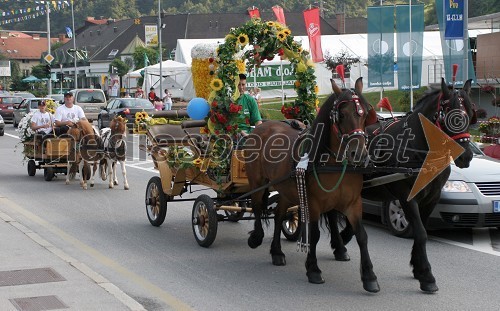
(470, 198)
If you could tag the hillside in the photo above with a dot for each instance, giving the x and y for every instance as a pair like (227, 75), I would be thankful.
(121, 9)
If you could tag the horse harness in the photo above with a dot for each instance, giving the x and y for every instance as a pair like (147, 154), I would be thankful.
(440, 117)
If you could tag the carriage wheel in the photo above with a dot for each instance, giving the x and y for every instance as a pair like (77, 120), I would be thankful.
(291, 224)
(156, 202)
(396, 220)
(31, 168)
(204, 220)
(48, 173)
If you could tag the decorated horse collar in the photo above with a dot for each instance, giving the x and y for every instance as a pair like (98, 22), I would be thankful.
(440, 117)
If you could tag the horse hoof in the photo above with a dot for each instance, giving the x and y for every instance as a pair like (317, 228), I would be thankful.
(428, 287)
(371, 286)
(126, 187)
(116, 183)
(279, 260)
(91, 185)
(341, 256)
(254, 242)
(110, 187)
(315, 277)
(67, 182)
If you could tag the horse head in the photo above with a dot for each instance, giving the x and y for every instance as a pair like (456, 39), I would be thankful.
(344, 117)
(118, 128)
(454, 116)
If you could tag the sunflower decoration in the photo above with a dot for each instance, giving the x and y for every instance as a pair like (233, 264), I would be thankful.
(281, 35)
(287, 31)
(216, 84)
(50, 106)
(243, 39)
(270, 24)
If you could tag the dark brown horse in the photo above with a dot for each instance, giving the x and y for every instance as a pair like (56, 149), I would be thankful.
(450, 110)
(336, 134)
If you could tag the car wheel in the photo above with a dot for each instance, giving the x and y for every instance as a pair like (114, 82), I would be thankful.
(396, 220)
(2, 132)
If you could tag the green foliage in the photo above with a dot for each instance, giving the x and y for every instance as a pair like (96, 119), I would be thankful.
(341, 58)
(121, 66)
(39, 71)
(400, 100)
(139, 53)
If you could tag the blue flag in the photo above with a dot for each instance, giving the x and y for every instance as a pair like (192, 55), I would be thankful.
(380, 46)
(69, 32)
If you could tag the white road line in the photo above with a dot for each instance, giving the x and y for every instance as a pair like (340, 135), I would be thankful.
(10, 135)
(487, 250)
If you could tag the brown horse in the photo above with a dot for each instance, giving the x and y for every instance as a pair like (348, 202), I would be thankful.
(87, 151)
(336, 135)
(115, 149)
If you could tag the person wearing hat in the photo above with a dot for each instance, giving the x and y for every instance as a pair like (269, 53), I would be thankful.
(68, 114)
(41, 122)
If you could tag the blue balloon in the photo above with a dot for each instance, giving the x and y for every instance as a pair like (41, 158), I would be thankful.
(198, 108)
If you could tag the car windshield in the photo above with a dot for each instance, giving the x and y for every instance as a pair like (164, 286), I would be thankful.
(475, 149)
(90, 97)
(10, 100)
(136, 103)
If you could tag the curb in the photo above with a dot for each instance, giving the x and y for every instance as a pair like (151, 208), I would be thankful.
(100, 280)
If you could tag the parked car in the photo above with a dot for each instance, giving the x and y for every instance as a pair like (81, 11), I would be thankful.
(91, 100)
(2, 126)
(470, 198)
(7, 103)
(24, 95)
(25, 107)
(58, 98)
(126, 107)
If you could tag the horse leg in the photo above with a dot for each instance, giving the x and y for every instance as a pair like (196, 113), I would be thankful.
(115, 180)
(92, 174)
(83, 181)
(313, 272)
(279, 214)
(110, 174)
(257, 234)
(336, 243)
(68, 171)
(368, 277)
(421, 267)
(124, 173)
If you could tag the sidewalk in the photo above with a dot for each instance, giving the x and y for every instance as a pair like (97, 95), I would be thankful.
(35, 275)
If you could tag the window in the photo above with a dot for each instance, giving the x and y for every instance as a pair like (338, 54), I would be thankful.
(110, 104)
(113, 53)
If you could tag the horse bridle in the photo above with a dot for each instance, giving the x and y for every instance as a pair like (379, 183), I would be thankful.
(443, 108)
(335, 118)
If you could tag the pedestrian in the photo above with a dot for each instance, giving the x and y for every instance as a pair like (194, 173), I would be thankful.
(139, 93)
(158, 104)
(152, 95)
(167, 100)
(256, 95)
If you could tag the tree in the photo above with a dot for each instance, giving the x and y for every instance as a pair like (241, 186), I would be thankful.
(39, 71)
(341, 58)
(139, 58)
(121, 68)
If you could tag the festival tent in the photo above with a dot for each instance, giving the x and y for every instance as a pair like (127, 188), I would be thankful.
(176, 77)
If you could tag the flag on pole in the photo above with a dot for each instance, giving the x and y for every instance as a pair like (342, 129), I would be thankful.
(380, 46)
(146, 60)
(311, 20)
(280, 15)
(254, 12)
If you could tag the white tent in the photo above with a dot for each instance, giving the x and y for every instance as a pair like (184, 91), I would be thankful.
(176, 77)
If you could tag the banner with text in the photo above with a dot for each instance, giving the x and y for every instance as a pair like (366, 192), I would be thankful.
(454, 51)
(312, 21)
(409, 44)
(380, 46)
(454, 17)
(269, 77)
(151, 35)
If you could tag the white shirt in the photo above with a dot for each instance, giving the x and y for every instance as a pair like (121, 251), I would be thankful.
(73, 114)
(40, 118)
(168, 98)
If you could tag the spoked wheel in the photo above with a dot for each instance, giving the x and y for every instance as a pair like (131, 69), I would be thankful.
(291, 224)
(396, 220)
(156, 202)
(31, 168)
(48, 173)
(204, 220)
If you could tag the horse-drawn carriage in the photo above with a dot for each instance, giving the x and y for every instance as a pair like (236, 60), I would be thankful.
(49, 154)
(233, 190)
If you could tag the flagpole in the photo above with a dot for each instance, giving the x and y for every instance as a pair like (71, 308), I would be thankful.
(380, 51)
(160, 49)
(49, 82)
(411, 65)
(465, 70)
(282, 88)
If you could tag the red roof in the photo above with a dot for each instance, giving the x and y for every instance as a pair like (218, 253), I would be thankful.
(96, 21)
(24, 46)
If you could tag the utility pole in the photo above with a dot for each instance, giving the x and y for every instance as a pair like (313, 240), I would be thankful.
(74, 41)
(321, 11)
(160, 49)
(465, 71)
(49, 82)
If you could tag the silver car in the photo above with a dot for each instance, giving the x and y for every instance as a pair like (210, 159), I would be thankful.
(470, 198)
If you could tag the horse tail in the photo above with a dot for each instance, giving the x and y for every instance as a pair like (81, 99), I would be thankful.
(103, 169)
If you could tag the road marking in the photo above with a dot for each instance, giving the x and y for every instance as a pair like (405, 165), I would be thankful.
(479, 246)
(166, 297)
(10, 135)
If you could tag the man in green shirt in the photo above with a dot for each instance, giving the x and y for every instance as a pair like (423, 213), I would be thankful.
(250, 109)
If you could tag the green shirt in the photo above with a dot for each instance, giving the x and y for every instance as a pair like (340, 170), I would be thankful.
(250, 111)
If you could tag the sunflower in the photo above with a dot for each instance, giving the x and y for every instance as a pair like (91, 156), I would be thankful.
(197, 161)
(316, 103)
(243, 39)
(216, 84)
(281, 36)
(145, 114)
(138, 115)
(287, 31)
(270, 24)
(297, 84)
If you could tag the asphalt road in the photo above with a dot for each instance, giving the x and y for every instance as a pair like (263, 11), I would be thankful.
(165, 269)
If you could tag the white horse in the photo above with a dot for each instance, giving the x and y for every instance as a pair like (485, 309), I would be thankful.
(115, 149)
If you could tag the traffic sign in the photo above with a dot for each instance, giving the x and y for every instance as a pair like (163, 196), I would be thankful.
(49, 58)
